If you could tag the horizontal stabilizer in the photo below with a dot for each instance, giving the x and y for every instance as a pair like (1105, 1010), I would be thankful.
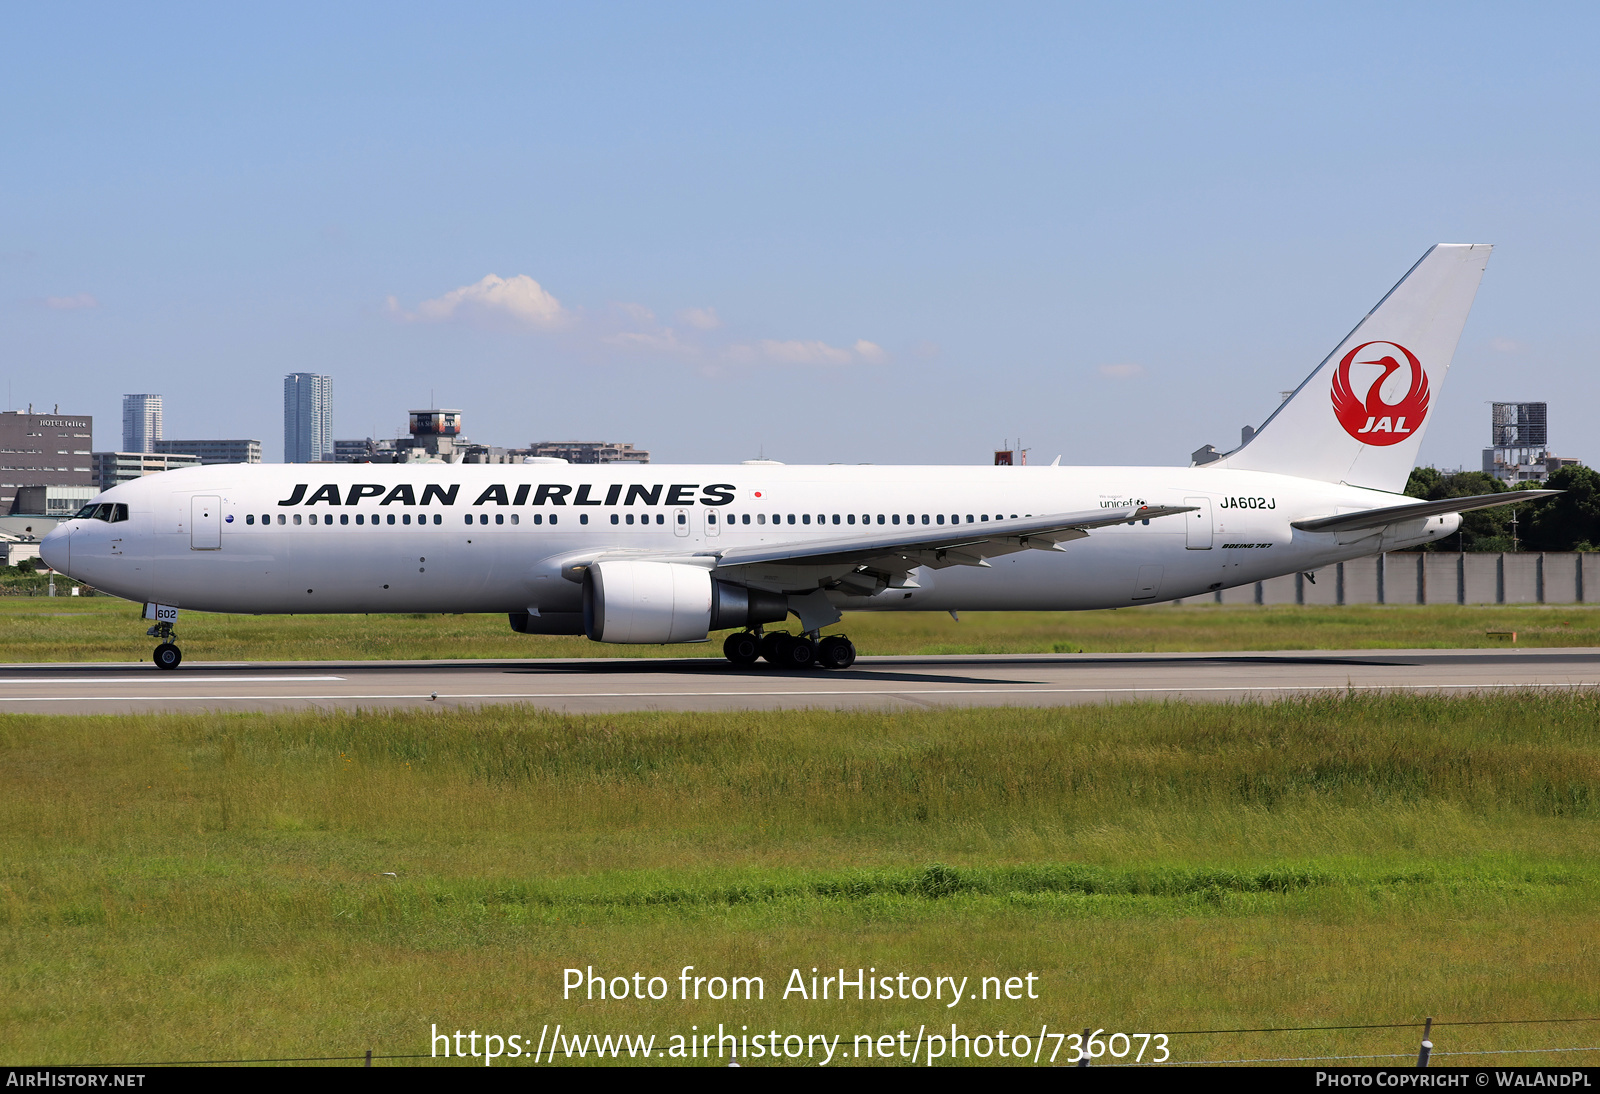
(1393, 514)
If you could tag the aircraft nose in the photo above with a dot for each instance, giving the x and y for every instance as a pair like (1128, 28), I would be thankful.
(53, 548)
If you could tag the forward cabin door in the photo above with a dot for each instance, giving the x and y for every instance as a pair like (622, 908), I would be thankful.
(680, 522)
(205, 524)
(1197, 532)
(713, 522)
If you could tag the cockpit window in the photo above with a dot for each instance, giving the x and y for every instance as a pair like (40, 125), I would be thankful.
(86, 513)
(106, 511)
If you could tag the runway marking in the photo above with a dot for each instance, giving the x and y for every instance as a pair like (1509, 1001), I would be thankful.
(784, 694)
(207, 680)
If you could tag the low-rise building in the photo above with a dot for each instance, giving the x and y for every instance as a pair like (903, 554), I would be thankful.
(55, 502)
(585, 452)
(110, 468)
(210, 451)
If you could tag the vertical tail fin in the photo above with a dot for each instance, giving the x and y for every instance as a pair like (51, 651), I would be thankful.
(1359, 417)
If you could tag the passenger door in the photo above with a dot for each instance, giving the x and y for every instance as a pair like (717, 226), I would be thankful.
(1197, 530)
(205, 524)
(713, 522)
(680, 522)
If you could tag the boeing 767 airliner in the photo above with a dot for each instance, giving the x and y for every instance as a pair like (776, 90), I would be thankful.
(650, 553)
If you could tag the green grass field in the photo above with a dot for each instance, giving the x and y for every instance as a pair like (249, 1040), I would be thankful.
(106, 629)
(217, 885)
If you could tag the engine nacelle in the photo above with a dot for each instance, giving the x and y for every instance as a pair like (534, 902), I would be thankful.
(636, 602)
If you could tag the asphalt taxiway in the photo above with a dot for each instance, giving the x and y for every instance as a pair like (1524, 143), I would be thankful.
(616, 684)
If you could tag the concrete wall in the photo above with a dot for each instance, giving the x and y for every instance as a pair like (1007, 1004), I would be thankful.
(1431, 577)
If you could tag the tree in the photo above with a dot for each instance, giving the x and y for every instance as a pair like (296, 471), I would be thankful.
(1569, 522)
(1481, 529)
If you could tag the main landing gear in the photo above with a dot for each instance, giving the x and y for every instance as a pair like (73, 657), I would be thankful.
(167, 655)
(789, 651)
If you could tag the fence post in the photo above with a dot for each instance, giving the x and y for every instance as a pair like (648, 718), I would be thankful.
(1427, 1045)
(1083, 1057)
(369, 1059)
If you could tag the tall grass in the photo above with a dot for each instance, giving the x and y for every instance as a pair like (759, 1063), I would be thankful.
(104, 629)
(180, 886)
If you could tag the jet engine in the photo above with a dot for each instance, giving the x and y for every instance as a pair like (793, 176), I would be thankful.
(626, 601)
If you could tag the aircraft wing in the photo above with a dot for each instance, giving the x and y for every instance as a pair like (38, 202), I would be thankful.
(1392, 514)
(955, 545)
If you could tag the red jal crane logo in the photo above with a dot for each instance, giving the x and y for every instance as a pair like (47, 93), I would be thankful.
(1371, 420)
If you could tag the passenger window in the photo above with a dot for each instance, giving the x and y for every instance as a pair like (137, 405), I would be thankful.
(791, 519)
(682, 519)
(249, 518)
(985, 518)
(745, 519)
(437, 519)
(711, 518)
(499, 518)
(391, 518)
(615, 521)
(297, 518)
(483, 518)
(880, 519)
(836, 519)
(552, 518)
(583, 518)
(924, 518)
(761, 518)
(661, 518)
(538, 518)
(469, 518)
(344, 518)
(805, 518)
(969, 518)
(630, 519)
(405, 518)
(850, 518)
(280, 518)
(360, 519)
(514, 519)
(896, 518)
(940, 520)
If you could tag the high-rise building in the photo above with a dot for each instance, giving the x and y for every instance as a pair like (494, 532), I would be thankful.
(307, 417)
(43, 450)
(211, 451)
(141, 422)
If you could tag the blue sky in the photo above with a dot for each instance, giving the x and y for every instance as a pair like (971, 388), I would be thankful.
(832, 233)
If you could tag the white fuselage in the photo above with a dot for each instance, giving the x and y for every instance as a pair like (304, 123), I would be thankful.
(494, 538)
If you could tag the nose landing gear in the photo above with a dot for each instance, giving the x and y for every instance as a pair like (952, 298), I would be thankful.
(167, 655)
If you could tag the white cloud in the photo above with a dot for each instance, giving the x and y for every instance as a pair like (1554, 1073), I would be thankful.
(519, 298)
(871, 352)
(664, 340)
(1122, 372)
(797, 352)
(700, 318)
(82, 302)
(637, 312)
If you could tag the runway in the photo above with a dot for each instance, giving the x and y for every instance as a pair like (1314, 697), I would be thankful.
(615, 684)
